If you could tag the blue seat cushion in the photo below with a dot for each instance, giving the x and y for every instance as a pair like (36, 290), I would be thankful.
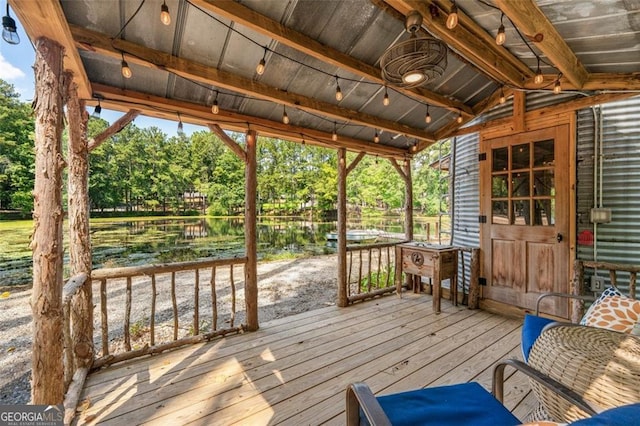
(620, 416)
(531, 329)
(463, 404)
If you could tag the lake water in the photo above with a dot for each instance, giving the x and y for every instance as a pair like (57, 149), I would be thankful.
(128, 241)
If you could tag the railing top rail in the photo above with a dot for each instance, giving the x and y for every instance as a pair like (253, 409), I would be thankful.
(627, 267)
(72, 287)
(130, 271)
(357, 247)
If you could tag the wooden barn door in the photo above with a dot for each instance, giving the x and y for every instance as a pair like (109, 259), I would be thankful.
(525, 217)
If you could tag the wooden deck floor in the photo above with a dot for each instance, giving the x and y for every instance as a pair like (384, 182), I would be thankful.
(294, 370)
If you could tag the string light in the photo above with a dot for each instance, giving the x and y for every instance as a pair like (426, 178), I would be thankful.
(459, 119)
(452, 19)
(285, 117)
(385, 100)
(539, 78)
(557, 88)
(126, 71)
(501, 37)
(97, 110)
(214, 107)
(9, 31)
(262, 64)
(427, 117)
(338, 91)
(414, 147)
(165, 18)
(180, 126)
(502, 97)
(334, 135)
(376, 137)
(302, 136)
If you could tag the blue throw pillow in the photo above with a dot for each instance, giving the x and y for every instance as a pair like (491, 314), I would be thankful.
(531, 329)
(620, 416)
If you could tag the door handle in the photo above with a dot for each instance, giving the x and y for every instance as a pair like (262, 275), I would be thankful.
(559, 237)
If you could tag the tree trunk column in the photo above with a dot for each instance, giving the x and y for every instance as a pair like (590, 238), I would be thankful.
(79, 239)
(250, 233)
(47, 375)
(408, 206)
(342, 228)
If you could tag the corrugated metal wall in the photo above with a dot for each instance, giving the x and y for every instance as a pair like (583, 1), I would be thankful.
(618, 241)
(466, 200)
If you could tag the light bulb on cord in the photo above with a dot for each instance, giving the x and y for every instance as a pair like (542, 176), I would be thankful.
(501, 37)
(124, 68)
(262, 64)
(459, 119)
(285, 117)
(557, 88)
(427, 117)
(503, 99)
(9, 31)
(539, 78)
(180, 126)
(97, 110)
(376, 137)
(452, 19)
(165, 18)
(215, 108)
(338, 91)
(385, 100)
(334, 135)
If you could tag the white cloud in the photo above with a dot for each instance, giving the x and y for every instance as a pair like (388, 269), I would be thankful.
(8, 71)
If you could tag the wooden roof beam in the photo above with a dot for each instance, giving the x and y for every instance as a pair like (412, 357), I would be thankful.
(196, 71)
(528, 17)
(116, 127)
(468, 39)
(167, 109)
(45, 18)
(257, 22)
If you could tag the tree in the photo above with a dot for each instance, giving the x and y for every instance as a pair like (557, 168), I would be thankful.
(17, 156)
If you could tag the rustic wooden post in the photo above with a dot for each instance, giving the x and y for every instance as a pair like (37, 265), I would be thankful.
(474, 284)
(47, 373)
(78, 213)
(408, 202)
(342, 228)
(577, 288)
(250, 233)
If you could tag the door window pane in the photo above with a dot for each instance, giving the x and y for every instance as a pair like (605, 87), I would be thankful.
(521, 213)
(500, 186)
(545, 212)
(520, 156)
(543, 183)
(500, 161)
(543, 155)
(500, 213)
(520, 184)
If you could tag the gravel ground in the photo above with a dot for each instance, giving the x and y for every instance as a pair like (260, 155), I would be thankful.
(286, 288)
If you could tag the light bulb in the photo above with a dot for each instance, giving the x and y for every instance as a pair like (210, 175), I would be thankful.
(261, 66)
(9, 32)
(215, 108)
(459, 119)
(180, 128)
(414, 147)
(386, 101)
(557, 88)
(285, 117)
(502, 97)
(165, 18)
(539, 78)
(338, 94)
(376, 138)
(126, 71)
(501, 37)
(334, 136)
(97, 111)
(452, 19)
(427, 118)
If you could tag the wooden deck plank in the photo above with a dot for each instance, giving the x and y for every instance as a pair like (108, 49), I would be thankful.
(295, 370)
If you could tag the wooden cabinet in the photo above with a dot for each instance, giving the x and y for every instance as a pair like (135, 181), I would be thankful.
(428, 260)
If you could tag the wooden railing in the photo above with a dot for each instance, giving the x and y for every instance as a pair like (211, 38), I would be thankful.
(613, 271)
(370, 270)
(182, 290)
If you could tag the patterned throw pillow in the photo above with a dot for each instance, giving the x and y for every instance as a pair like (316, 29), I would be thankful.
(618, 313)
(608, 292)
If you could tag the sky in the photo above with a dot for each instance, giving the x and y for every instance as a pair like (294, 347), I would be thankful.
(16, 67)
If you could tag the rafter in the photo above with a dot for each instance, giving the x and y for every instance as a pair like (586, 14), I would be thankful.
(528, 17)
(262, 24)
(159, 107)
(196, 71)
(469, 39)
(45, 18)
(116, 127)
